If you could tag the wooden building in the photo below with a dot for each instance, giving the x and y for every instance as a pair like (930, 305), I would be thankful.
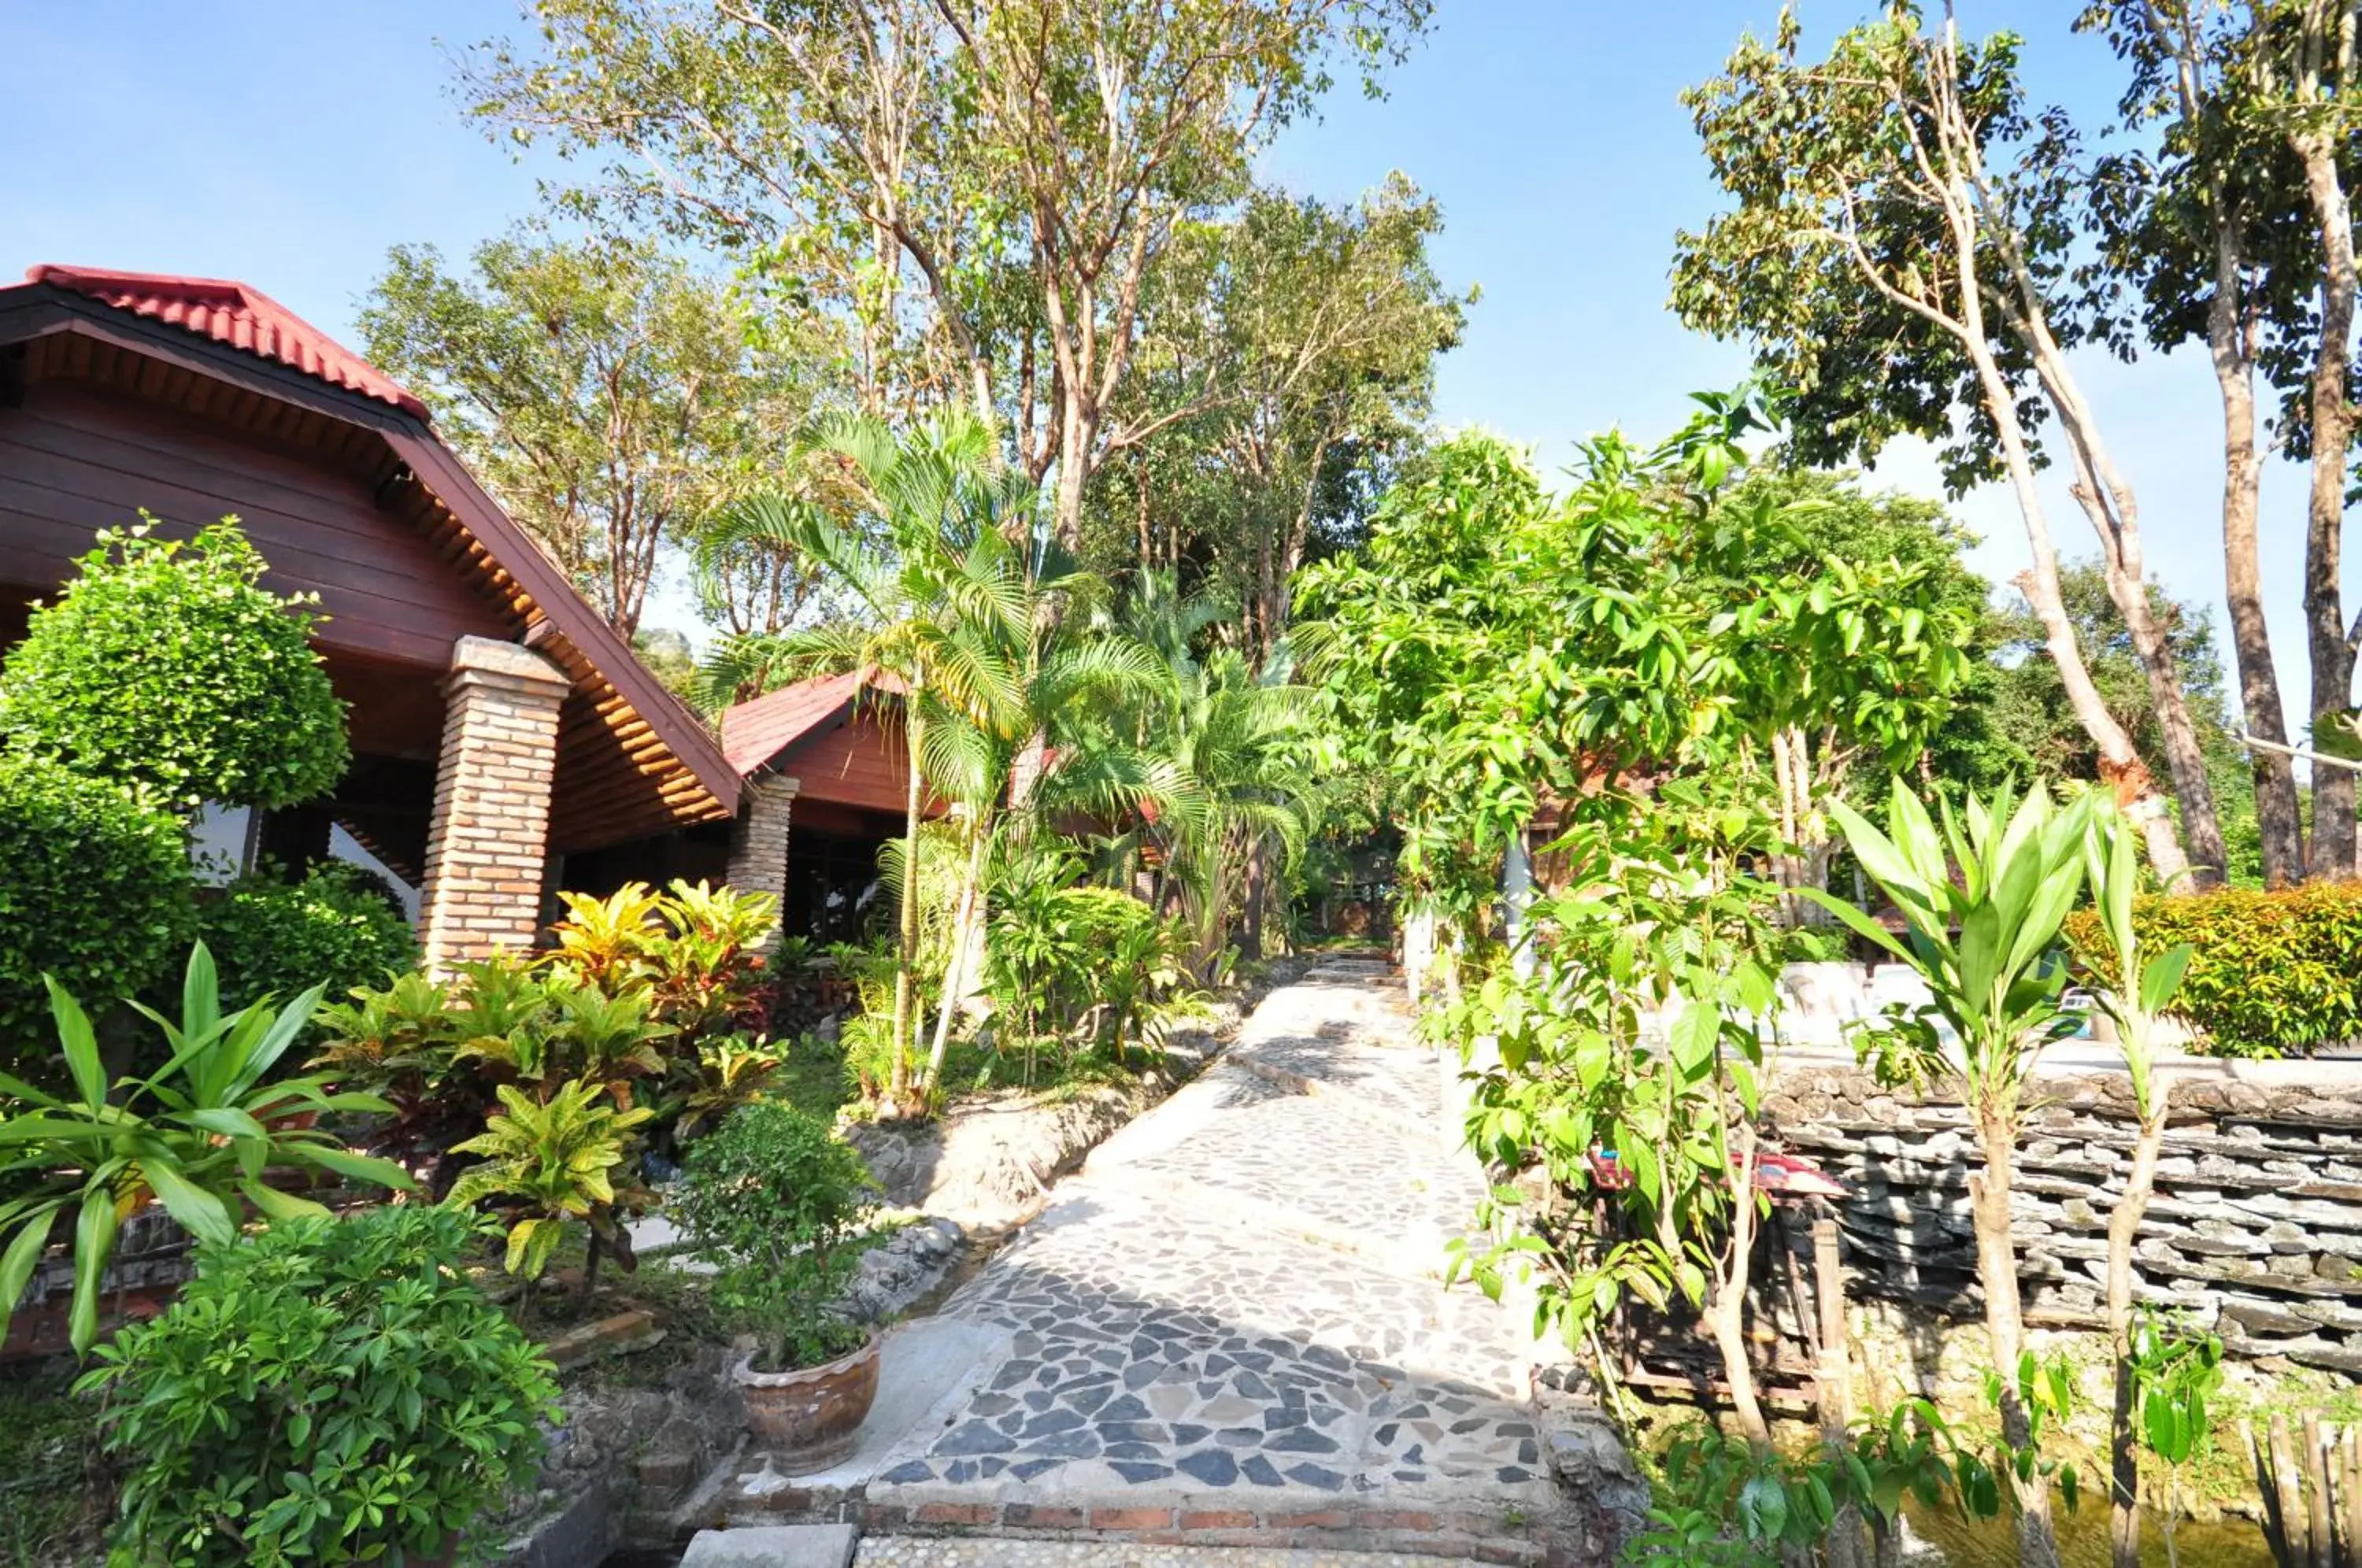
(504, 737)
(826, 754)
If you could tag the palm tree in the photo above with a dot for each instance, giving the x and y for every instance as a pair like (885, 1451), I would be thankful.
(1237, 742)
(926, 558)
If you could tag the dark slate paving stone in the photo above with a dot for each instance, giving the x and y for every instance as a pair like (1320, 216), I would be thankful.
(991, 1405)
(1512, 1474)
(1054, 1422)
(1134, 1451)
(1141, 1374)
(1082, 1444)
(1515, 1429)
(1141, 1475)
(960, 1472)
(1327, 1356)
(1085, 1400)
(992, 1467)
(1529, 1452)
(1013, 1374)
(1187, 1434)
(1240, 1437)
(1027, 1469)
(1283, 1420)
(1048, 1378)
(1143, 1348)
(1134, 1431)
(1038, 1399)
(1314, 1477)
(1011, 1423)
(1165, 1331)
(1302, 1440)
(1410, 1474)
(1250, 1386)
(974, 1437)
(1219, 1363)
(1473, 1423)
(909, 1471)
(1385, 1434)
(1212, 1466)
(1126, 1408)
(1262, 1472)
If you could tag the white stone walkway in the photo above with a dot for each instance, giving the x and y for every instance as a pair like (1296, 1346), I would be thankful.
(1231, 1321)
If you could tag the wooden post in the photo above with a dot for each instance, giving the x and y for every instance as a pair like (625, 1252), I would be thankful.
(2288, 1493)
(1833, 1382)
(2353, 1496)
(2316, 1474)
(2276, 1524)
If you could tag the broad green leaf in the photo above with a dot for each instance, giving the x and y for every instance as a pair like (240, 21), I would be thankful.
(200, 1213)
(94, 1229)
(2162, 979)
(80, 1046)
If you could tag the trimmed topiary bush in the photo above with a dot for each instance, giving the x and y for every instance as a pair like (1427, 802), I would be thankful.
(2269, 972)
(94, 888)
(340, 926)
(325, 1391)
(168, 665)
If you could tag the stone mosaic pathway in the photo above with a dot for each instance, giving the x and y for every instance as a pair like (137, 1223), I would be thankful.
(1235, 1307)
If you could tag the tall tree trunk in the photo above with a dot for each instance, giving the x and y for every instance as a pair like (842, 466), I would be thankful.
(2329, 29)
(1257, 889)
(2278, 813)
(963, 933)
(2124, 1231)
(2038, 1539)
(906, 972)
(1725, 1314)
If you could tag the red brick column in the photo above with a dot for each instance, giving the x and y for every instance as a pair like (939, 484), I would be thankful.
(487, 846)
(758, 839)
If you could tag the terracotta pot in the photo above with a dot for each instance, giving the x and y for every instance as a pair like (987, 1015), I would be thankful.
(810, 1418)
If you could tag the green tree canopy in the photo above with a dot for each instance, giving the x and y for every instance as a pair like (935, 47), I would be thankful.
(608, 394)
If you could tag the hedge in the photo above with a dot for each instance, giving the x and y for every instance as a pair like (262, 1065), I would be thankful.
(2269, 972)
(272, 937)
(168, 664)
(94, 888)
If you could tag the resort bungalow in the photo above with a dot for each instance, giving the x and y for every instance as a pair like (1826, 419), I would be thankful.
(506, 741)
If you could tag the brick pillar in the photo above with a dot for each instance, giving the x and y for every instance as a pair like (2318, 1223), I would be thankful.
(487, 846)
(758, 839)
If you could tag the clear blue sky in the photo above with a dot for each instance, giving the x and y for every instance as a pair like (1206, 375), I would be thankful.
(288, 143)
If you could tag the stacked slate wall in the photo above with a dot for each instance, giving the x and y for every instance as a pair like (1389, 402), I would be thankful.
(2255, 1228)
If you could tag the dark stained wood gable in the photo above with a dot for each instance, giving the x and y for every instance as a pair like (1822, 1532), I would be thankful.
(102, 413)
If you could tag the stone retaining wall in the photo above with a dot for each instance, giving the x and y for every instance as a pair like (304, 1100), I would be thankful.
(2256, 1230)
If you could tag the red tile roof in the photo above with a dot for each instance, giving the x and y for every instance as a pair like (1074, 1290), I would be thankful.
(757, 730)
(232, 313)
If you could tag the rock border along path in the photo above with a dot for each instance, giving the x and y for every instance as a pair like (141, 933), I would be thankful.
(1229, 1328)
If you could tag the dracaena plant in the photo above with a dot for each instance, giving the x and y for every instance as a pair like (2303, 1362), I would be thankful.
(551, 1163)
(2133, 990)
(1982, 897)
(201, 1134)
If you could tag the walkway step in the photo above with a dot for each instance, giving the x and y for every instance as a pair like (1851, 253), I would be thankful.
(773, 1546)
(922, 1552)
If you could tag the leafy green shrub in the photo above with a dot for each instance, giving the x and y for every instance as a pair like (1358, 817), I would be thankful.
(199, 1136)
(325, 1391)
(94, 888)
(777, 1197)
(168, 665)
(2268, 971)
(338, 927)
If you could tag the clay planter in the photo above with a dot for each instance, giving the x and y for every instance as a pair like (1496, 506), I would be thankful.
(810, 1418)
